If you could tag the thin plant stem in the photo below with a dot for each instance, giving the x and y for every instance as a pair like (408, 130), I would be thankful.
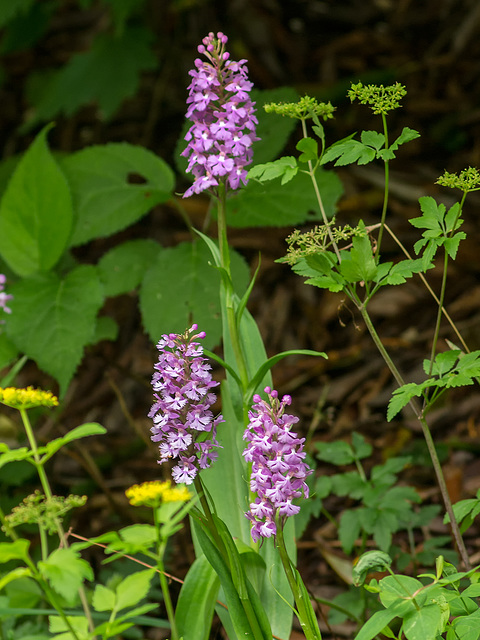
(163, 579)
(438, 321)
(385, 193)
(428, 439)
(48, 495)
(311, 173)
(431, 291)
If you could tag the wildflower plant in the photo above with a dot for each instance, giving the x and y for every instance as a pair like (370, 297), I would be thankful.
(242, 475)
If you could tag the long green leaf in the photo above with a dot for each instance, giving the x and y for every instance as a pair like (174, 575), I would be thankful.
(196, 603)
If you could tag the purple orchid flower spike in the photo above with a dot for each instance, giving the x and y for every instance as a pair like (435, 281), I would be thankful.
(278, 470)
(223, 131)
(183, 424)
(4, 297)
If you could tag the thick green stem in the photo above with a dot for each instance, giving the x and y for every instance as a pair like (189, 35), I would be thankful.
(304, 609)
(428, 439)
(228, 288)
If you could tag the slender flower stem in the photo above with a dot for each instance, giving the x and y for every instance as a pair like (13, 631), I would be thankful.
(228, 289)
(304, 609)
(385, 194)
(311, 173)
(438, 321)
(161, 545)
(48, 495)
(428, 439)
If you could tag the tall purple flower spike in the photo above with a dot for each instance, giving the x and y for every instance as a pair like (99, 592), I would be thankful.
(278, 471)
(219, 105)
(183, 424)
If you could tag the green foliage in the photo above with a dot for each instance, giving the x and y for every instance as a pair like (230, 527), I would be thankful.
(467, 180)
(440, 226)
(55, 319)
(36, 212)
(426, 611)
(181, 284)
(258, 204)
(465, 512)
(449, 369)
(106, 201)
(106, 74)
(385, 508)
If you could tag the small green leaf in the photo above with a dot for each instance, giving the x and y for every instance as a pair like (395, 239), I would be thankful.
(103, 598)
(309, 149)
(65, 570)
(369, 562)
(17, 550)
(401, 397)
(349, 529)
(337, 452)
(373, 139)
(285, 168)
(133, 588)
(35, 212)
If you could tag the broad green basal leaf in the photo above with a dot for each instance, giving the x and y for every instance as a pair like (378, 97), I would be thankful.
(105, 201)
(55, 319)
(35, 212)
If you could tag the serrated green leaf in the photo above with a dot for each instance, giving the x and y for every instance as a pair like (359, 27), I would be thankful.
(349, 484)
(373, 139)
(309, 149)
(121, 269)
(65, 571)
(103, 598)
(406, 136)
(443, 363)
(349, 529)
(105, 201)
(358, 264)
(133, 588)
(35, 212)
(401, 397)
(285, 168)
(55, 319)
(17, 550)
(349, 152)
(259, 205)
(107, 74)
(361, 448)
(181, 287)
(451, 244)
(337, 452)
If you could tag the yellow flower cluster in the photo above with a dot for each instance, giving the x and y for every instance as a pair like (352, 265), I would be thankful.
(27, 398)
(151, 494)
